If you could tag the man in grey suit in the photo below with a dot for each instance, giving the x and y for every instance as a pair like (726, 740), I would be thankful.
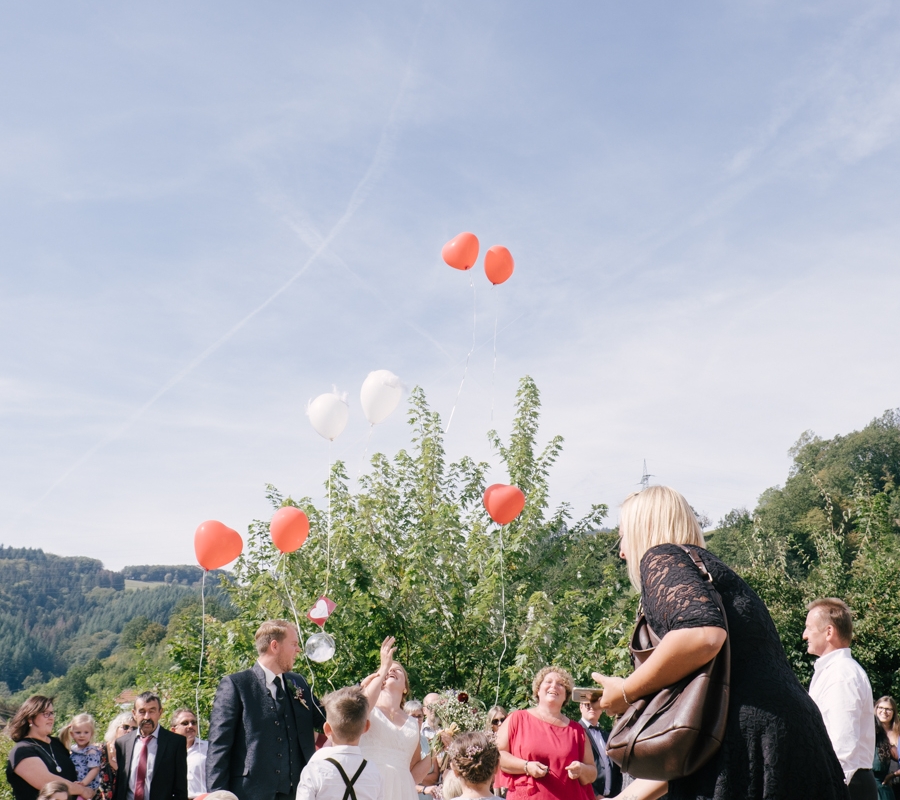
(261, 727)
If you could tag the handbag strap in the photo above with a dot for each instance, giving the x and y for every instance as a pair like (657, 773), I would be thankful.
(699, 563)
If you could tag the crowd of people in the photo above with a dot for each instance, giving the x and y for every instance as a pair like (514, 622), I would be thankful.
(377, 743)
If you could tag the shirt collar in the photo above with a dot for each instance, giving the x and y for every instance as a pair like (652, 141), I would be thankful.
(270, 676)
(834, 655)
(350, 749)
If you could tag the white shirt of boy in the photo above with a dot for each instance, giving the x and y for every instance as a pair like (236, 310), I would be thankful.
(320, 780)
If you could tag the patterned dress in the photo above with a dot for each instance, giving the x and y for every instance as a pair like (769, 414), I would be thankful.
(776, 746)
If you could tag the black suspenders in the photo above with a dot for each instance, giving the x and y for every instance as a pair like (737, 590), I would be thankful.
(350, 792)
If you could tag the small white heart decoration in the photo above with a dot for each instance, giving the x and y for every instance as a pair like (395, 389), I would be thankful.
(319, 610)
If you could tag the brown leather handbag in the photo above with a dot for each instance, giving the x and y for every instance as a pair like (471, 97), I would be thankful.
(677, 730)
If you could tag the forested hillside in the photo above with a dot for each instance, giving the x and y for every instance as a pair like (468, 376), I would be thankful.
(58, 612)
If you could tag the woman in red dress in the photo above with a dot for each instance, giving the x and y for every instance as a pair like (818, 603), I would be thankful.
(544, 755)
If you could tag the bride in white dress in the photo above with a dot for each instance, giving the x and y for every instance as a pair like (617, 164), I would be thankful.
(392, 741)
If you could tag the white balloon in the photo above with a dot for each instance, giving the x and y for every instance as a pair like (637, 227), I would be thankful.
(319, 648)
(380, 394)
(328, 414)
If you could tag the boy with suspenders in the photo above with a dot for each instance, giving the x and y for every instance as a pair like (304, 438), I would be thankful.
(340, 772)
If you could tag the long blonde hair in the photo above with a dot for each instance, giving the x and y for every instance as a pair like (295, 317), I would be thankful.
(655, 515)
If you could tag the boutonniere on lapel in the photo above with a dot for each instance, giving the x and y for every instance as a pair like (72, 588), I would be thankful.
(298, 693)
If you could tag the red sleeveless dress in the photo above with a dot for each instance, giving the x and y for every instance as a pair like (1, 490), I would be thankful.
(535, 740)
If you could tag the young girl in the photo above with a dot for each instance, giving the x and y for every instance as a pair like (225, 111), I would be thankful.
(474, 758)
(77, 736)
(55, 790)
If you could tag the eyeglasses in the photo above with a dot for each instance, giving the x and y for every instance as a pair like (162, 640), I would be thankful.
(128, 727)
(49, 714)
(187, 723)
(884, 708)
(496, 722)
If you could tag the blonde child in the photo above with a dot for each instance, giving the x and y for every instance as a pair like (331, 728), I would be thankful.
(78, 737)
(55, 790)
(474, 758)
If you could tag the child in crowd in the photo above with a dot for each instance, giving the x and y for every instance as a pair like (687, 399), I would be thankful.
(474, 758)
(340, 771)
(78, 737)
(55, 790)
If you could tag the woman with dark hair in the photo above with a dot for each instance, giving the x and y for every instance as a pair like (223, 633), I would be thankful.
(775, 742)
(544, 755)
(887, 731)
(38, 758)
(474, 758)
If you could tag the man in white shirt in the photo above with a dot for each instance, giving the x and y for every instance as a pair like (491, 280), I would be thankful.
(184, 722)
(841, 690)
(340, 772)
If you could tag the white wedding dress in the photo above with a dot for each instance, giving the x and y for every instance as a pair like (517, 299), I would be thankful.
(391, 749)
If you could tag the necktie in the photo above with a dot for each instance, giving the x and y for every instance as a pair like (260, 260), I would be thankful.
(142, 768)
(279, 691)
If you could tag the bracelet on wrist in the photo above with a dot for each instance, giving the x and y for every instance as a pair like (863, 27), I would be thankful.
(525, 770)
(625, 696)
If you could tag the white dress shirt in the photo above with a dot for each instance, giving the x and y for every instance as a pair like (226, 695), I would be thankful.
(322, 781)
(196, 763)
(152, 743)
(604, 767)
(270, 682)
(841, 690)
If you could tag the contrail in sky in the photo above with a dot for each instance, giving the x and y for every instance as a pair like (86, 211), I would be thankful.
(383, 154)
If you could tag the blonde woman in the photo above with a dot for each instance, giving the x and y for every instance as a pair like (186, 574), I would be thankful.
(775, 741)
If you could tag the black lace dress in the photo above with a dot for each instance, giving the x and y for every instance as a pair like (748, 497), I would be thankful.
(775, 746)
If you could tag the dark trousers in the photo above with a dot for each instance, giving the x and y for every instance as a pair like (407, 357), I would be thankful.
(862, 785)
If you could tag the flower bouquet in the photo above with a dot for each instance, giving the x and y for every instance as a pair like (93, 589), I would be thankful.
(455, 715)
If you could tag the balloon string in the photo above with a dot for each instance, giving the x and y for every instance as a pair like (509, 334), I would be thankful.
(328, 536)
(472, 350)
(494, 371)
(202, 648)
(503, 621)
(362, 463)
(287, 591)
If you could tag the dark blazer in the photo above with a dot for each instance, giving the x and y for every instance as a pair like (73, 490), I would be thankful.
(599, 784)
(242, 727)
(169, 769)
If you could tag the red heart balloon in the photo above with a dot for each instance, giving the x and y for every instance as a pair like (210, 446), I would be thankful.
(461, 252)
(498, 264)
(504, 503)
(216, 544)
(289, 528)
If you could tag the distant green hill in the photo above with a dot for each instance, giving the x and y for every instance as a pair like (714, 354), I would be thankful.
(57, 612)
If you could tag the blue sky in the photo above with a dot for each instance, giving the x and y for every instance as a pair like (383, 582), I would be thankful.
(213, 212)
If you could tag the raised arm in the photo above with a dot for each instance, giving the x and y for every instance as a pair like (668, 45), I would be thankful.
(371, 686)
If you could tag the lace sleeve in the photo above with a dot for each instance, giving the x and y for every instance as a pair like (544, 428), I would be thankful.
(674, 593)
